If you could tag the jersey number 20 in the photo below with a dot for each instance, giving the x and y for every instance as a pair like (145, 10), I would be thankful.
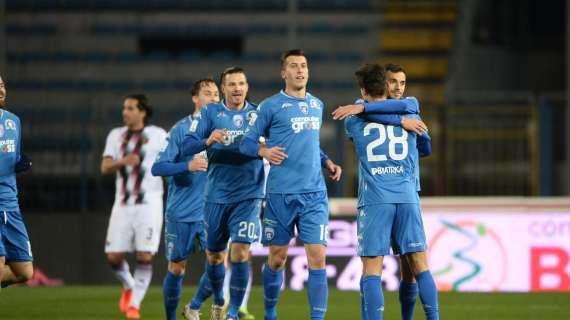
(384, 131)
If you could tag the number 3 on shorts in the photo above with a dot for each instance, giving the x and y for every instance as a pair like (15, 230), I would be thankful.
(245, 227)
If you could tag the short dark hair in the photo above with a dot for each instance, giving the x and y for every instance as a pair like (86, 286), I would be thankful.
(197, 85)
(142, 104)
(372, 78)
(393, 67)
(230, 70)
(291, 52)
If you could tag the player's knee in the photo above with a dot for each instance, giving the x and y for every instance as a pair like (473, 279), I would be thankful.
(316, 262)
(25, 274)
(417, 262)
(144, 257)
(115, 260)
(277, 262)
(239, 253)
(176, 268)
(215, 258)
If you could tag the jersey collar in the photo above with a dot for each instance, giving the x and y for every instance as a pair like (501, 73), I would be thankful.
(223, 103)
(295, 98)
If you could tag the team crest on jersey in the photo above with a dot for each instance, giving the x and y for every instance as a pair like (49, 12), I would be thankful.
(269, 233)
(286, 105)
(251, 116)
(304, 107)
(1, 130)
(238, 120)
(10, 124)
(314, 104)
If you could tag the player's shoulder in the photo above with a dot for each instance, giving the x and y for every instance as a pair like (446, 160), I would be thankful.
(251, 106)
(10, 115)
(182, 124)
(313, 99)
(155, 130)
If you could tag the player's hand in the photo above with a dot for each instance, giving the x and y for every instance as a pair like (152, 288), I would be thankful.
(131, 160)
(345, 111)
(335, 170)
(414, 125)
(218, 135)
(274, 155)
(199, 163)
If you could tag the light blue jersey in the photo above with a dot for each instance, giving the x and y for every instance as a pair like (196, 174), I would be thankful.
(292, 123)
(388, 162)
(232, 176)
(10, 137)
(185, 189)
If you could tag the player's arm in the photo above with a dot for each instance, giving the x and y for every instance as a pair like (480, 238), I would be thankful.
(167, 164)
(23, 162)
(423, 143)
(111, 161)
(408, 105)
(201, 136)
(334, 169)
(257, 128)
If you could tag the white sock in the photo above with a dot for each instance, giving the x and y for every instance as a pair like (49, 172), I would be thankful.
(247, 291)
(143, 275)
(123, 273)
(227, 278)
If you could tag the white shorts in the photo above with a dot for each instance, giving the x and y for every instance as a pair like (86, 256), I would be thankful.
(135, 227)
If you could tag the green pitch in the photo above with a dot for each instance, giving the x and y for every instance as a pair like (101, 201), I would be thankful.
(100, 302)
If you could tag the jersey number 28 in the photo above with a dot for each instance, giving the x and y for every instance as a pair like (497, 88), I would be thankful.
(384, 131)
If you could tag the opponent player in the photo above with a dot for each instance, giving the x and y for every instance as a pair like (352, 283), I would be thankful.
(15, 251)
(136, 218)
(234, 189)
(389, 210)
(186, 177)
(296, 193)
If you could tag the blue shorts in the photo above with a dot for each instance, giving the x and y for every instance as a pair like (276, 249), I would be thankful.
(236, 221)
(180, 239)
(309, 212)
(14, 242)
(399, 225)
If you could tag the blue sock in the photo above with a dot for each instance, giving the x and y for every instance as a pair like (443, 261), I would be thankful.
(408, 293)
(362, 304)
(171, 288)
(318, 290)
(216, 279)
(428, 294)
(373, 297)
(272, 281)
(238, 283)
(202, 293)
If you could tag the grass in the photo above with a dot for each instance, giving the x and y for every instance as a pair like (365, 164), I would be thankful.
(100, 302)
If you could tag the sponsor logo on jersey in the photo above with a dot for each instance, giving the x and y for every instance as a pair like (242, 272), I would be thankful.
(238, 120)
(233, 136)
(304, 107)
(221, 114)
(299, 124)
(1, 130)
(8, 146)
(286, 105)
(10, 124)
(387, 170)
